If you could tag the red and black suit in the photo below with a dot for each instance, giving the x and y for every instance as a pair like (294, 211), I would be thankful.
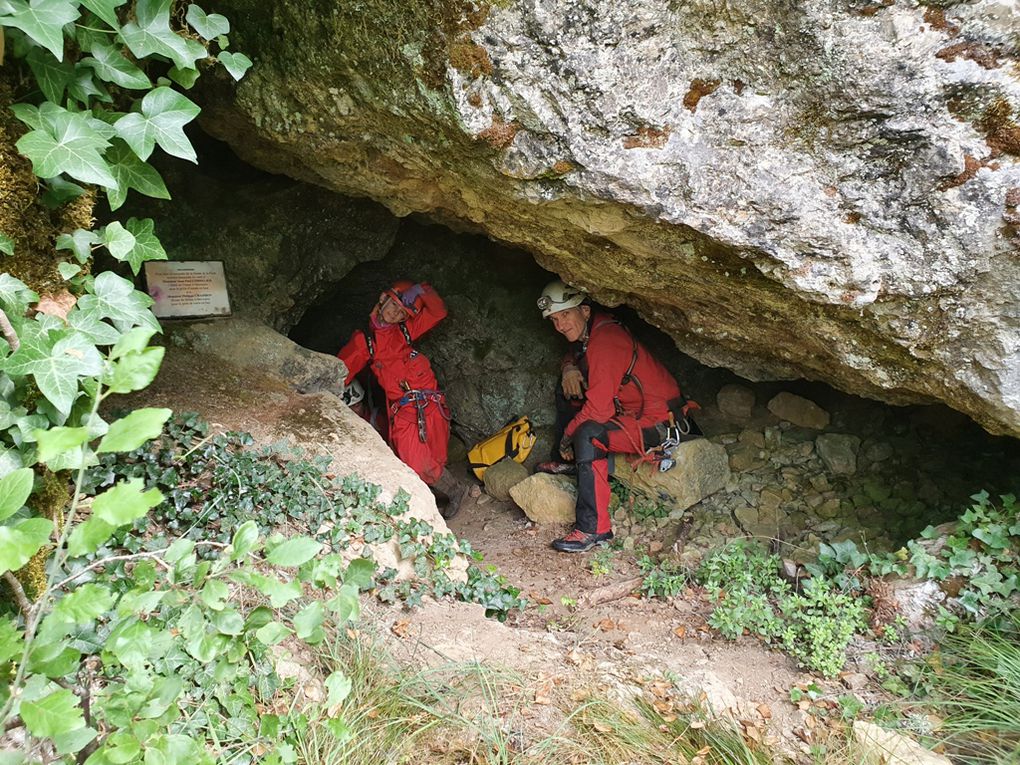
(620, 412)
(419, 420)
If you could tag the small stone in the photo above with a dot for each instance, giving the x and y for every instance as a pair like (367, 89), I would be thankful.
(773, 438)
(828, 509)
(820, 482)
(735, 402)
(799, 411)
(628, 543)
(878, 452)
(654, 547)
(752, 437)
(839, 452)
(854, 680)
(746, 457)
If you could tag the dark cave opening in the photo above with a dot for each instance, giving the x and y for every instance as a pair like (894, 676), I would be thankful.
(312, 263)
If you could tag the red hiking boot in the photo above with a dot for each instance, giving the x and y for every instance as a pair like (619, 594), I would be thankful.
(579, 541)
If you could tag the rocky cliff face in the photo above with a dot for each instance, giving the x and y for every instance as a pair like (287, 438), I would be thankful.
(825, 189)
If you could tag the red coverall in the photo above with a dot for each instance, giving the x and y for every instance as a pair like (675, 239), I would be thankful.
(412, 396)
(616, 416)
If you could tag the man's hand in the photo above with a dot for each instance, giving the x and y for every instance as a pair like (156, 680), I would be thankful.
(567, 449)
(572, 382)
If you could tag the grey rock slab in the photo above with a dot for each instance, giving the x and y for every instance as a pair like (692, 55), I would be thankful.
(879, 746)
(839, 452)
(735, 402)
(702, 468)
(799, 411)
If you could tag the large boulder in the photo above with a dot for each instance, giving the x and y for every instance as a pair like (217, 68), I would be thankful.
(878, 746)
(702, 468)
(819, 189)
(546, 498)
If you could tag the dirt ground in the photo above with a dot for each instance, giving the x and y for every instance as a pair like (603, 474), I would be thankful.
(618, 646)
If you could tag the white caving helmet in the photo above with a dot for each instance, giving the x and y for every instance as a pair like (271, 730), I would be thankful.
(557, 297)
(354, 393)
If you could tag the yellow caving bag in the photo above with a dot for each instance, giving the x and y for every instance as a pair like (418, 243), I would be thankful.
(514, 440)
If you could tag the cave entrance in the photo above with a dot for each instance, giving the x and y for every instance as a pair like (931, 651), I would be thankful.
(902, 468)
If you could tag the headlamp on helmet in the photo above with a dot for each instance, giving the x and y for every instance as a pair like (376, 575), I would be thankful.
(354, 393)
(557, 297)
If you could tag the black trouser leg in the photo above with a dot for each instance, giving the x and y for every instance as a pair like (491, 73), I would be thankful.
(566, 408)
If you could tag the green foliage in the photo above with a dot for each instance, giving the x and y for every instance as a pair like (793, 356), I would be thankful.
(663, 578)
(814, 626)
(213, 483)
(640, 506)
(819, 623)
(979, 552)
(601, 562)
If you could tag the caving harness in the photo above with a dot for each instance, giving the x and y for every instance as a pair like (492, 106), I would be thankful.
(679, 426)
(420, 397)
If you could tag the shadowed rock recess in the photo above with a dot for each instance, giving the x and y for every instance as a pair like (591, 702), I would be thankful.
(816, 189)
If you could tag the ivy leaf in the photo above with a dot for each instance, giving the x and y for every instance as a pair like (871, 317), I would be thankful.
(43, 21)
(57, 375)
(70, 146)
(84, 605)
(135, 371)
(235, 63)
(68, 270)
(147, 244)
(53, 714)
(125, 502)
(117, 299)
(294, 552)
(15, 294)
(210, 26)
(53, 76)
(132, 173)
(84, 87)
(6, 245)
(118, 240)
(152, 35)
(19, 542)
(92, 327)
(186, 78)
(128, 433)
(15, 489)
(134, 341)
(113, 66)
(359, 573)
(105, 9)
(55, 441)
(79, 242)
(164, 113)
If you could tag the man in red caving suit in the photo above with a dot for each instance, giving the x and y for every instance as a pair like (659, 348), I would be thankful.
(623, 401)
(419, 420)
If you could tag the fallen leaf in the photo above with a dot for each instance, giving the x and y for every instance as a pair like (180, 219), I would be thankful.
(401, 627)
(765, 711)
(680, 632)
(602, 727)
(698, 724)
(606, 625)
(58, 304)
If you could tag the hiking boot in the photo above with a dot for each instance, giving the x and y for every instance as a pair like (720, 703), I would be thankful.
(556, 468)
(579, 541)
(455, 492)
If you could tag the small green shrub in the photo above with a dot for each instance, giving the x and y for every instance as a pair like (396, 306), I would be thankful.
(819, 623)
(662, 578)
